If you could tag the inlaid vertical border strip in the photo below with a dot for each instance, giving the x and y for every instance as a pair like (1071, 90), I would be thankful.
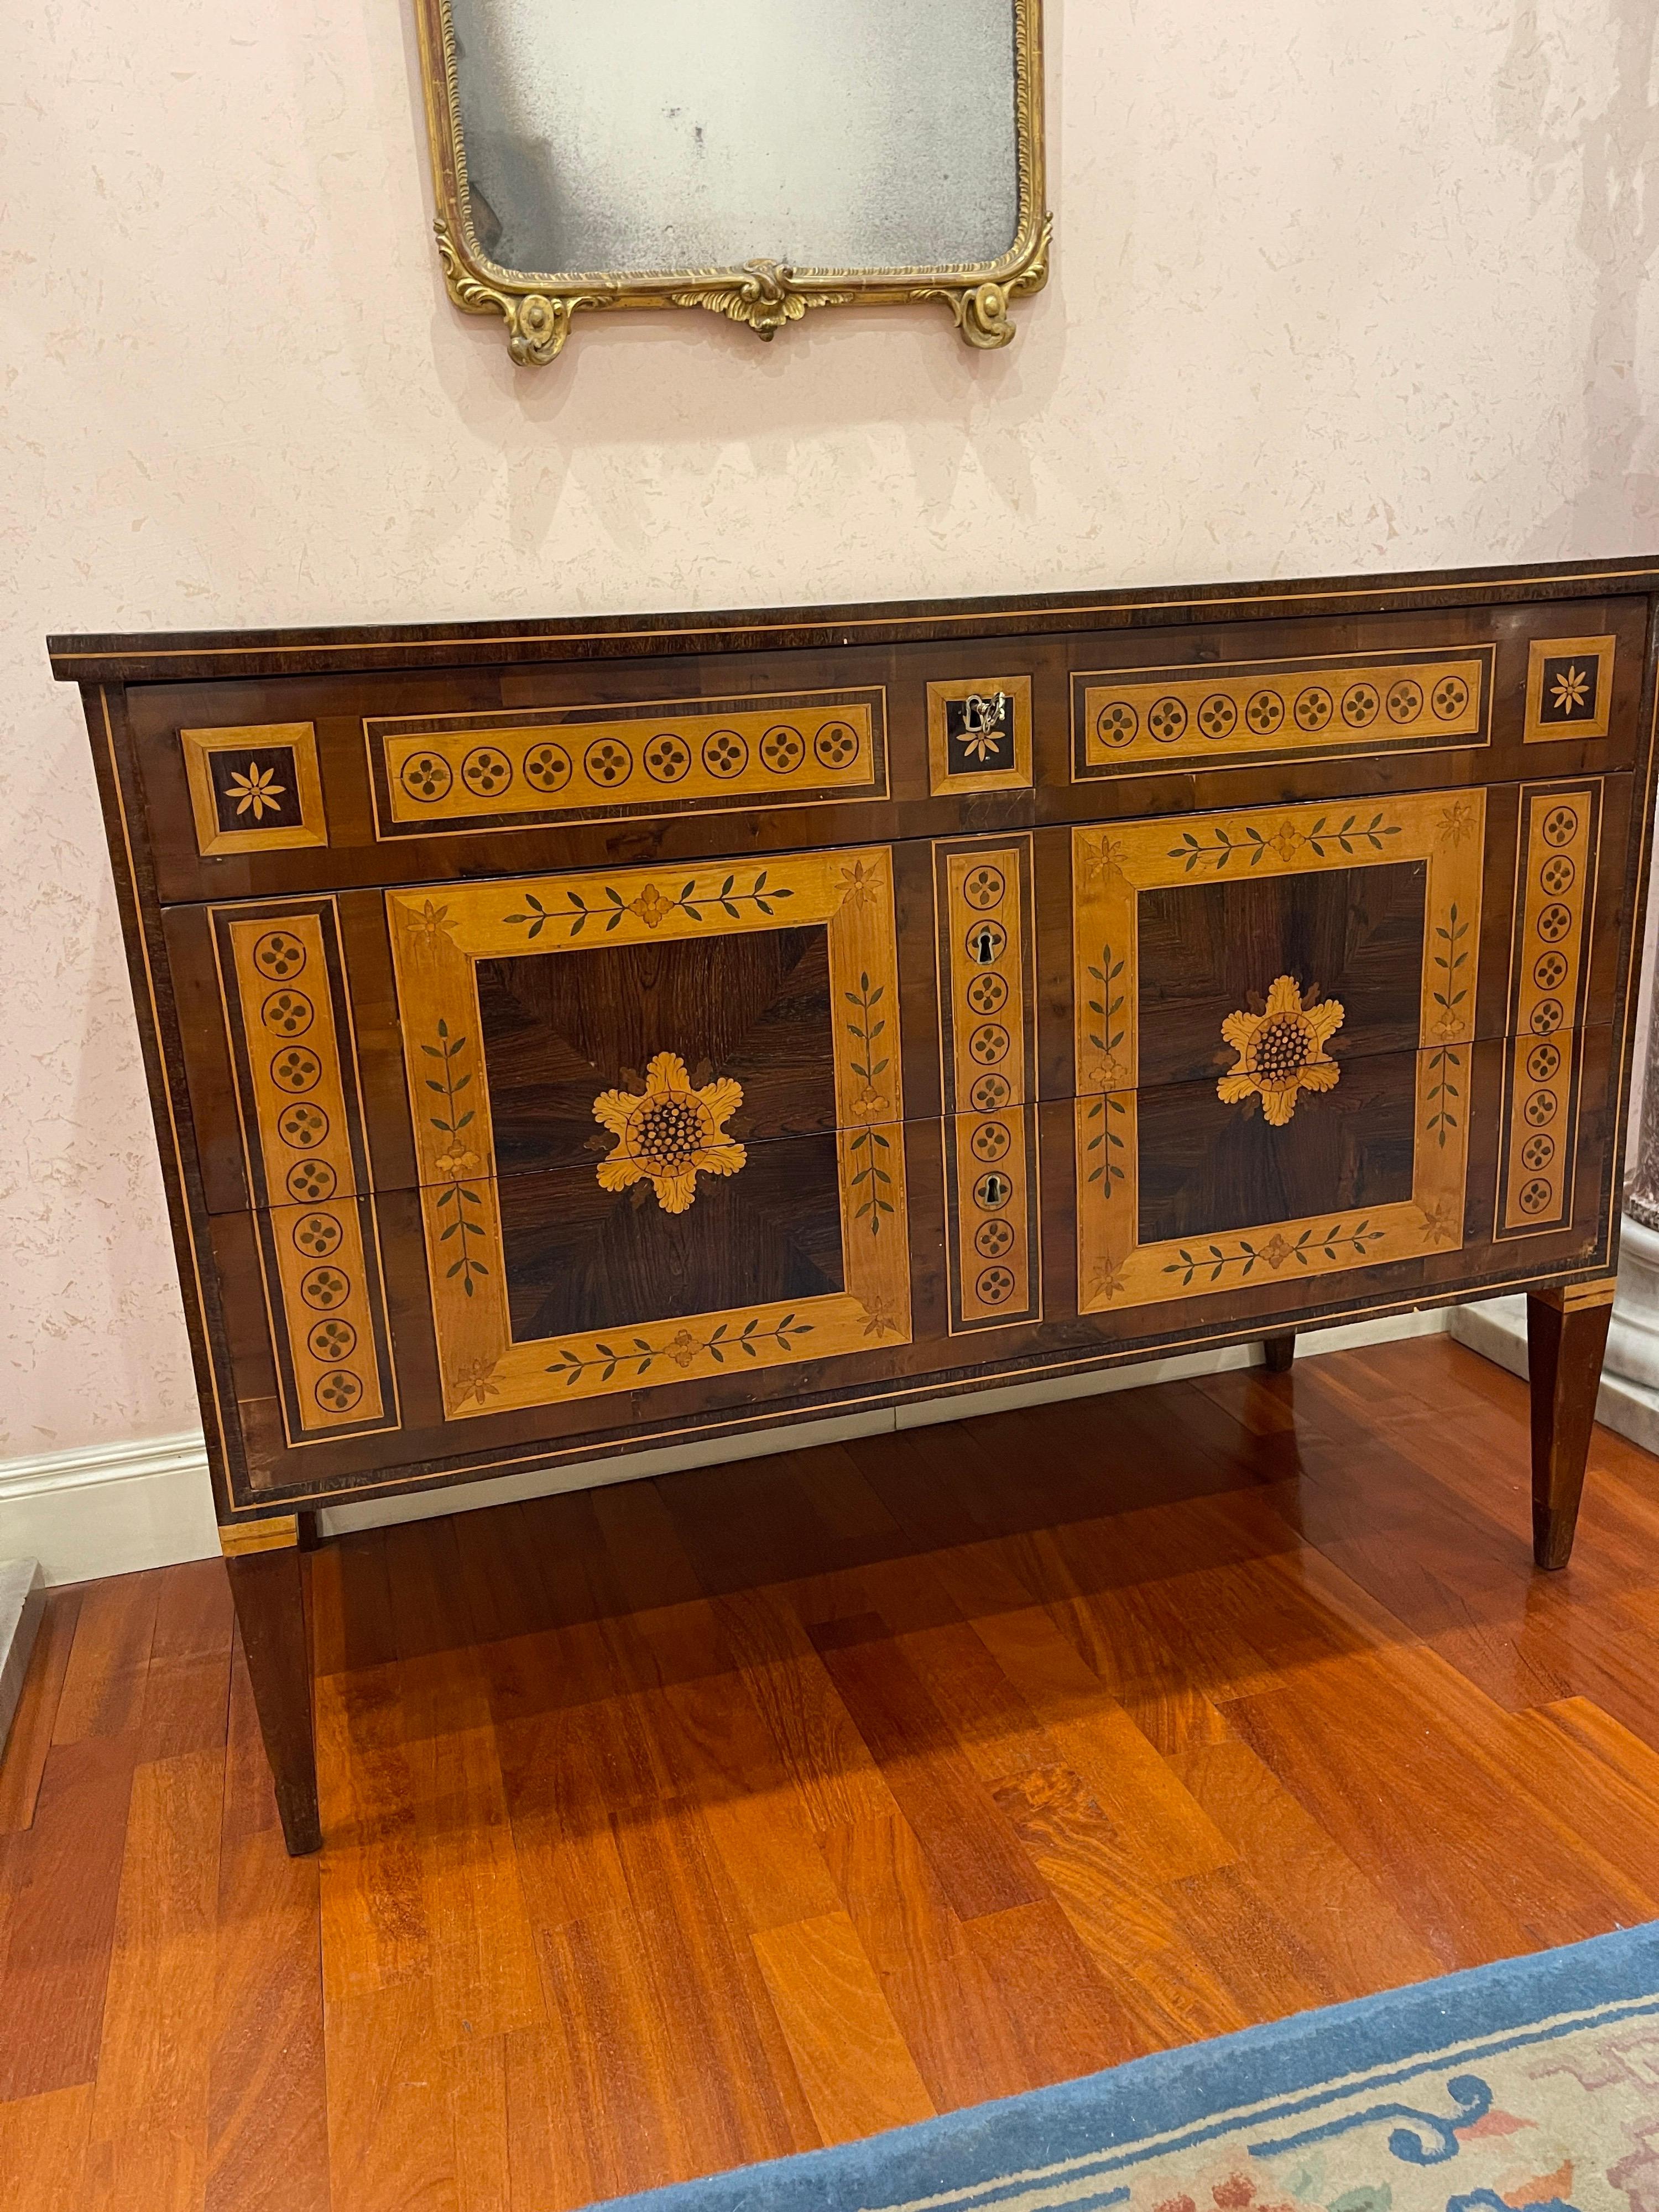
(438, 939)
(293, 1049)
(1557, 839)
(983, 909)
(1111, 865)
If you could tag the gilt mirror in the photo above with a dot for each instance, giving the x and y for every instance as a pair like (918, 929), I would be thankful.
(757, 158)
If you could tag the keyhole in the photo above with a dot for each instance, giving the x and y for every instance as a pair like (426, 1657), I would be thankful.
(985, 945)
(996, 1189)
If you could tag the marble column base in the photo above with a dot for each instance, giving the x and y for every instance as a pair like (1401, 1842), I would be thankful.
(1629, 1399)
(1633, 1336)
(23, 1608)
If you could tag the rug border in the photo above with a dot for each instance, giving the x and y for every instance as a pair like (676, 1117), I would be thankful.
(1168, 2091)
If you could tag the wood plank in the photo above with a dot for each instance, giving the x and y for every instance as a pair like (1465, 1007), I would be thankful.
(651, 1566)
(482, 1961)
(392, 2137)
(736, 2093)
(816, 1744)
(855, 2069)
(150, 2116)
(24, 1760)
(1136, 1791)
(547, 2160)
(376, 1932)
(476, 2072)
(43, 2150)
(946, 2005)
(1467, 1856)
(1125, 1921)
(1066, 2016)
(999, 1733)
(635, 2003)
(500, 1582)
(63, 1877)
(976, 1858)
(104, 1686)
(1358, 1940)
(267, 2116)
(759, 1822)
(187, 1681)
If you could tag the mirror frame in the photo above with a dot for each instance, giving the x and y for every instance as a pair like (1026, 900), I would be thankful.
(538, 309)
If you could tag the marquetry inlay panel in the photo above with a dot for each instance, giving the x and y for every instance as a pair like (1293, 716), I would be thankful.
(987, 1058)
(672, 756)
(1126, 722)
(979, 735)
(255, 788)
(1555, 889)
(1112, 867)
(1569, 687)
(287, 1022)
(438, 938)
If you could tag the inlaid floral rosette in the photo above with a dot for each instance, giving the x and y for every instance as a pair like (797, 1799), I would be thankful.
(668, 1134)
(1275, 1058)
(1281, 1051)
(660, 1133)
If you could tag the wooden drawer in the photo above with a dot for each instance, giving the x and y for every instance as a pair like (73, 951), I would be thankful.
(618, 1146)
(315, 781)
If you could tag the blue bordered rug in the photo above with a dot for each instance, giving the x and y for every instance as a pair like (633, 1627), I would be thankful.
(1531, 2083)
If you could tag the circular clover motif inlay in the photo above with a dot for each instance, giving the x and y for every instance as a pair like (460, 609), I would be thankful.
(547, 767)
(835, 745)
(279, 955)
(724, 754)
(783, 750)
(289, 1013)
(311, 1179)
(486, 771)
(426, 777)
(607, 760)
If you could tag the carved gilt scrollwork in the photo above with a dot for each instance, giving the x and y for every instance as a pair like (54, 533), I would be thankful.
(538, 323)
(981, 311)
(765, 297)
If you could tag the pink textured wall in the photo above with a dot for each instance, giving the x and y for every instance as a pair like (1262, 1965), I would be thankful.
(1336, 287)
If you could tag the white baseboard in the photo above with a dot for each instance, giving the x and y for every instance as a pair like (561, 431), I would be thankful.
(115, 1509)
(109, 1509)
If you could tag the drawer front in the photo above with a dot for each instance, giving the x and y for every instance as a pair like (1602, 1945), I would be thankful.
(543, 1162)
(312, 783)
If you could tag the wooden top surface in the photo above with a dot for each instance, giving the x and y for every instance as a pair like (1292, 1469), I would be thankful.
(182, 655)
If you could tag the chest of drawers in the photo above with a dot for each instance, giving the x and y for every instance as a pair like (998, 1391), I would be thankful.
(575, 1036)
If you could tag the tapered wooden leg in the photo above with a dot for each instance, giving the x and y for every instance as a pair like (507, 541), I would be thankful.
(262, 1560)
(1566, 1336)
(1278, 1352)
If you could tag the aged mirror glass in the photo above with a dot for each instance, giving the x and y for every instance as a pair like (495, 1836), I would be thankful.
(754, 157)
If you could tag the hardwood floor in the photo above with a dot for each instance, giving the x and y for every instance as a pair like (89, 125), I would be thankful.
(694, 1821)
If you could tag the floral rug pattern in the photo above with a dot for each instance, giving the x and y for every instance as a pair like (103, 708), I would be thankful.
(1530, 2085)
